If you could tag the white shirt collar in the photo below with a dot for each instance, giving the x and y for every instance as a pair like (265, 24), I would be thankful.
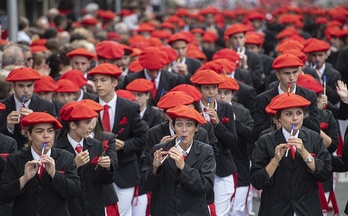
(75, 143)
(36, 156)
(110, 103)
(81, 95)
(19, 103)
(172, 133)
(142, 113)
(184, 152)
(280, 91)
(157, 80)
(287, 134)
(322, 69)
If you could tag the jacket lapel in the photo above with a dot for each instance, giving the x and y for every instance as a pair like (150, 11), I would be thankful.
(161, 85)
(119, 105)
(193, 155)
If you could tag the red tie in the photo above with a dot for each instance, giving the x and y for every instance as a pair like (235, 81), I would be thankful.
(78, 148)
(106, 118)
(293, 151)
(154, 89)
(42, 169)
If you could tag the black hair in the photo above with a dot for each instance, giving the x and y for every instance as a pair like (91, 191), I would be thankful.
(66, 127)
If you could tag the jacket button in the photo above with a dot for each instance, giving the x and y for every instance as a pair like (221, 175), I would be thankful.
(178, 200)
(39, 200)
(178, 214)
(178, 186)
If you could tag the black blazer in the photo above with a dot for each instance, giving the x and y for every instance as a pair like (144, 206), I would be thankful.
(244, 126)
(152, 116)
(192, 67)
(244, 76)
(181, 192)
(37, 104)
(89, 95)
(262, 120)
(246, 95)
(293, 187)
(227, 142)
(167, 81)
(131, 130)
(45, 196)
(342, 63)
(91, 199)
(256, 69)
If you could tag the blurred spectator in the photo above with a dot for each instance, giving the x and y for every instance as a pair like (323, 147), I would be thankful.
(23, 30)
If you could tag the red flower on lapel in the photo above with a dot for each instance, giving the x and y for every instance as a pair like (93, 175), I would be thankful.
(61, 171)
(106, 145)
(123, 121)
(95, 160)
(4, 155)
(224, 119)
(324, 125)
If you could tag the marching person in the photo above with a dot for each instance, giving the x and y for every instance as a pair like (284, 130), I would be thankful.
(180, 172)
(288, 163)
(95, 169)
(40, 179)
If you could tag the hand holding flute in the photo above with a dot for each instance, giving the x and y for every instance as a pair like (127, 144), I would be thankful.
(291, 134)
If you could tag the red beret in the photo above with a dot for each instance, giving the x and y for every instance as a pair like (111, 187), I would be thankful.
(109, 50)
(299, 54)
(229, 83)
(153, 58)
(38, 48)
(182, 12)
(302, 76)
(229, 14)
(236, 28)
(167, 25)
(135, 66)
(208, 10)
(255, 15)
(136, 52)
(75, 111)
(76, 76)
(285, 101)
(311, 84)
(227, 54)
(190, 90)
(227, 65)
(334, 23)
(140, 85)
(106, 69)
(333, 32)
(206, 77)
(67, 86)
(80, 52)
(196, 54)
(2, 106)
(178, 37)
(213, 66)
(39, 42)
(253, 39)
(173, 99)
(90, 21)
(289, 44)
(23, 74)
(40, 118)
(186, 112)
(288, 19)
(285, 61)
(197, 31)
(45, 84)
(287, 32)
(135, 39)
(92, 104)
(127, 49)
(107, 15)
(125, 94)
(154, 42)
(171, 53)
(316, 46)
(210, 37)
(125, 12)
(321, 20)
(113, 36)
(161, 34)
(144, 27)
